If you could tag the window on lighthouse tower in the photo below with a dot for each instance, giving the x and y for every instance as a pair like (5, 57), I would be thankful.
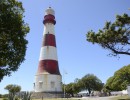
(52, 84)
(34, 85)
(40, 84)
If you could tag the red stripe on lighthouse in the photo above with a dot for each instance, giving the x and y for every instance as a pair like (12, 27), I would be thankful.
(49, 19)
(50, 66)
(49, 40)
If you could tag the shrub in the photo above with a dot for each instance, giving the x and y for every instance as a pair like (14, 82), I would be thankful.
(5, 98)
(26, 96)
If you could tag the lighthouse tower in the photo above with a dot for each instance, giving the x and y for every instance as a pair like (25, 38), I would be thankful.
(48, 77)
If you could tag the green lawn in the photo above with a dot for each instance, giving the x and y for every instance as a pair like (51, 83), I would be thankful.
(115, 98)
(121, 98)
(53, 99)
(57, 99)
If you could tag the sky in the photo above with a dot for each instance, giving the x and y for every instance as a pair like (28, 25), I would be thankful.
(76, 56)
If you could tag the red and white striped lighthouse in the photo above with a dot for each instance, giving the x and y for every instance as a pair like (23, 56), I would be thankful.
(48, 77)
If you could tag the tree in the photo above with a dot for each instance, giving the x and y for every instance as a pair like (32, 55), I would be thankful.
(13, 31)
(76, 86)
(72, 88)
(108, 85)
(114, 36)
(120, 80)
(69, 89)
(12, 88)
(0, 95)
(26, 96)
(90, 83)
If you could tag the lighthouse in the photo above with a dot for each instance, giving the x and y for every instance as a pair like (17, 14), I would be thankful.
(48, 77)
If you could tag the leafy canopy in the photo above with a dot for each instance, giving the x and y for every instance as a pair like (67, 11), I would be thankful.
(13, 31)
(72, 88)
(12, 88)
(91, 83)
(120, 80)
(114, 36)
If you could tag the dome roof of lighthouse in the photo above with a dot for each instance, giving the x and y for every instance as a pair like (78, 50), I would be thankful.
(49, 11)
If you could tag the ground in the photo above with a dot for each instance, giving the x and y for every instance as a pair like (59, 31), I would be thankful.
(90, 98)
(99, 98)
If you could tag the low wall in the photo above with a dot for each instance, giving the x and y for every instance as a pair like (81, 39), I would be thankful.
(42, 95)
(123, 92)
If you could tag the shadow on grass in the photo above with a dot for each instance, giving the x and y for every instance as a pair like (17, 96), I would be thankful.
(121, 98)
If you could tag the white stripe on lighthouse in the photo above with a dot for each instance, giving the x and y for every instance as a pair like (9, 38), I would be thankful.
(49, 27)
(48, 52)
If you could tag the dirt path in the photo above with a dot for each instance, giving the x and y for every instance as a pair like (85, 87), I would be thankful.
(96, 98)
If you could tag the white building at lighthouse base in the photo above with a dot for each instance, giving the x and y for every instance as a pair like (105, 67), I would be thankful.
(46, 82)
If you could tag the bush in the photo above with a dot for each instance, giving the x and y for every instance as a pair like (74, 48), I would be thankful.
(5, 99)
(26, 96)
(0, 95)
(4, 95)
(17, 98)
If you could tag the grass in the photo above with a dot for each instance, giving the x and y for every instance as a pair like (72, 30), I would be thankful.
(53, 99)
(121, 98)
(57, 99)
(114, 98)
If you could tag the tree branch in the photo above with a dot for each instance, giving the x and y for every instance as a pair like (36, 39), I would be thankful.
(117, 52)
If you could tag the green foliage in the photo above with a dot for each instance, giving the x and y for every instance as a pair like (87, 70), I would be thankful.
(120, 80)
(108, 85)
(76, 88)
(13, 31)
(114, 36)
(13, 89)
(26, 96)
(16, 98)
(11, 96)
(90, 82)
(0, 95)
(4, 95)
(69, 89)
(72, 88)
(5, 98)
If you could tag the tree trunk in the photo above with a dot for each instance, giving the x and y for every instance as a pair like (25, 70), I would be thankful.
(72, 94)
(89, 91)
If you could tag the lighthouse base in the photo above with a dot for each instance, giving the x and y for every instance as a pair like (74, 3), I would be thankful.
(42, 95)
(46, 82)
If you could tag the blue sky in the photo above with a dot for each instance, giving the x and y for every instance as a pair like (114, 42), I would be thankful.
(75, 55)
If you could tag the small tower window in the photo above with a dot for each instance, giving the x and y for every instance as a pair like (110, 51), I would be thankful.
(52, 84)
(34, 85)
(40, 84)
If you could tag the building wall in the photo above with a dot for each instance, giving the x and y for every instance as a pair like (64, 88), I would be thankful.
(48, 52)
(48, 83)
(49, 28)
